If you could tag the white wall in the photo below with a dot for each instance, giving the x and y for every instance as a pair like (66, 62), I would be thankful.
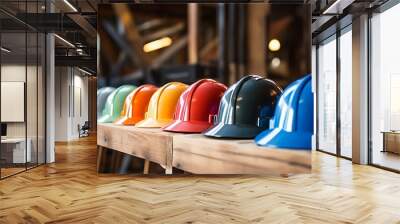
(33, 127)
(71, 102)
(16, 73)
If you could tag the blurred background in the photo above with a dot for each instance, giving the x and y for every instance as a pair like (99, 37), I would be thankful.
(55, 54)
(159, 43)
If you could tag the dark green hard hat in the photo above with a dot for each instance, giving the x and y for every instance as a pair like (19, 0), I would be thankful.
(246, 108)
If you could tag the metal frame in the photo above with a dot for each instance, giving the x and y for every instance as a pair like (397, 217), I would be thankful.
(338, 98)
(339, 32)
(0, 91)
(369, 90)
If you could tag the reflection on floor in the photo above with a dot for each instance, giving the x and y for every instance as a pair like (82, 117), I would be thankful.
(9, 170)
(386, 159)
(70, 191)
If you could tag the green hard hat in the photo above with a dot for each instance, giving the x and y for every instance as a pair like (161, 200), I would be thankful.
(114, 104)
(102, 95)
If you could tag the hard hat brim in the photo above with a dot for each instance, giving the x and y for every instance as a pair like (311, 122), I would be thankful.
(152, 123)
(120, 121)
(187, 126)
(130, 121)
(279, 138)
(105, 119)
(233, 131)
(126, 121)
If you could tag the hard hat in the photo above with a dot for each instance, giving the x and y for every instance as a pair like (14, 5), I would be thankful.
(162, 105)
(136, 104)
(197, 106)
(114, 104)
(293, 122)
(102, 95)
(246, 108)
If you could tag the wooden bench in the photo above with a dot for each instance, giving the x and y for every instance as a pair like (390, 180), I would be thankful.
(150, 144)
(202, 155)
(195, 153)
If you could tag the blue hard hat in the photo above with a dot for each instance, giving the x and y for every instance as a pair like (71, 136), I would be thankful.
(293, 121)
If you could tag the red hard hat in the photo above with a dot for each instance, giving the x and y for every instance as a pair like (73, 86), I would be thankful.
(197, 107)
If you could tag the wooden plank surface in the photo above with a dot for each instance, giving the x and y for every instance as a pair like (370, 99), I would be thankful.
(198, 154)
(202, 155)
(147, 143)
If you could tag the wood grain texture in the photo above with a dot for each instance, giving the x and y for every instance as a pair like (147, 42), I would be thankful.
(147, 143)
(202, 155)
(71, 191)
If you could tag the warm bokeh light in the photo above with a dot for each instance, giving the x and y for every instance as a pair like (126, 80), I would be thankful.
(157, 44)
(275, 62)
(274, 45)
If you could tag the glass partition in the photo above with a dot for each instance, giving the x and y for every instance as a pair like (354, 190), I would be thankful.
(15, 150)
(346, 93)
(22, 91)
(327, 98)
(385, 89)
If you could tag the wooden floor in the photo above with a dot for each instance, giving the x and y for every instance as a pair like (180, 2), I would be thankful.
(70, 191)
(386, 159)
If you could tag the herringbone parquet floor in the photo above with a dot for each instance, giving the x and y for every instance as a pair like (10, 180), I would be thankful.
(70, 191)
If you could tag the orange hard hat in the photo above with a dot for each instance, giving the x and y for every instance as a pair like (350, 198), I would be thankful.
(136, 104)
(162, 105)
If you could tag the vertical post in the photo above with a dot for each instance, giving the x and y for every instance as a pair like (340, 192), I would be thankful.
(314, 62)
(231, 43)
(257, 40)
(0, 97)
(146, 168)
(50, 92)
(241, 39)
(360, 90)
(193, 32)
(338, 96)
(221, 42)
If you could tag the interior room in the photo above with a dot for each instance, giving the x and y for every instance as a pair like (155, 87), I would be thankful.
(202, 112)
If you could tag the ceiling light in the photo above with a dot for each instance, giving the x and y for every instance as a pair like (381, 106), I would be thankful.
(65, 41)
(274, 45)
(70, 5)
(157, 44)
(5, 50)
